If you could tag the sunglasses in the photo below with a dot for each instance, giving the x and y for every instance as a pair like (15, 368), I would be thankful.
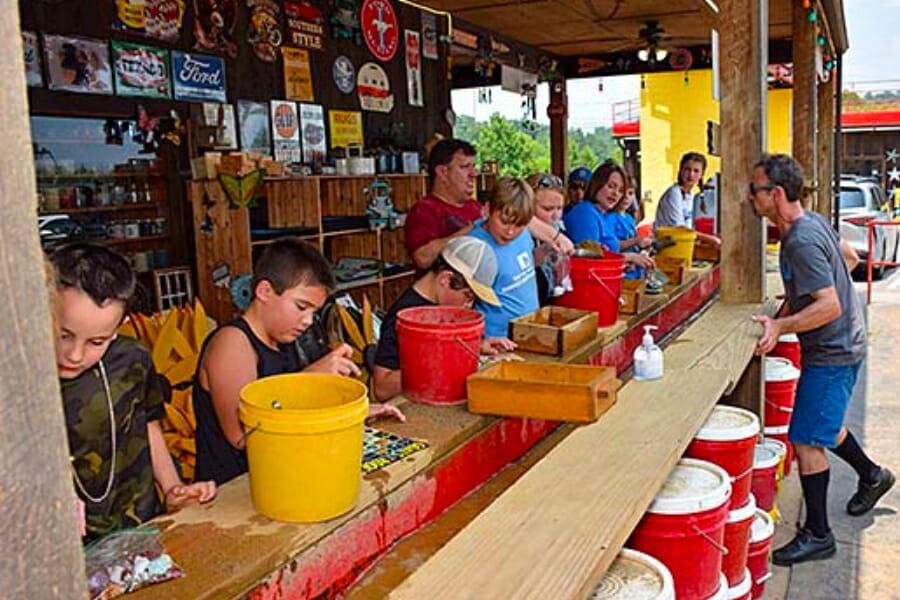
(549, 181)
(577, 185)
(756, 188)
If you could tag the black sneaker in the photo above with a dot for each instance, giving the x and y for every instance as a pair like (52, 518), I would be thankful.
(805, 546)
(867, 495)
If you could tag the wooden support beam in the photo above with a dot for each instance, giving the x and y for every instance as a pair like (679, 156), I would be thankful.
(805, 115)
(826, 148)
(42, 555)
(559, 128)
(743, 58)
(748, 393)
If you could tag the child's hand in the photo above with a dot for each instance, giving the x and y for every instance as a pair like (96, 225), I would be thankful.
(336, 362)
(492, 346)
(640, 260)
(563, 244)
(385, 410)
(180, 495)
(82, 520)
(644, 243)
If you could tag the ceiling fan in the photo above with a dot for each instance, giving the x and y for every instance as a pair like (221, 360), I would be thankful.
(652, 44)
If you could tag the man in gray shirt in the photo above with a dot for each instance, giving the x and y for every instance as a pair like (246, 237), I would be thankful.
(823, 310)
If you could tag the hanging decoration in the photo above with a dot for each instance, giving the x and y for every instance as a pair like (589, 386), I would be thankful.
(158, 19)
(141, 70)
(380, 28)
(214, 24)
(344, 21)
(344, 74)
(828, 62)
(484, 59)
(374, 89)
(429, 36)
(413, 68)
(32, 55)
(264, 29)
(298, 83)
(894, 174)
(305, 25)
(484, 95)
(547, 69)
(681, 59)
(529, 95)
(891, 155)
(242, 190)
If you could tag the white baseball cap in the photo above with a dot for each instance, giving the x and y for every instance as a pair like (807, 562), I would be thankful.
(476, 262)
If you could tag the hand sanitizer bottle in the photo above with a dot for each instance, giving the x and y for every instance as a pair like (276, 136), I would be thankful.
(648, 358)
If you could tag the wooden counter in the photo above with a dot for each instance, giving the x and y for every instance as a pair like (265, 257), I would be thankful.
(229, 550)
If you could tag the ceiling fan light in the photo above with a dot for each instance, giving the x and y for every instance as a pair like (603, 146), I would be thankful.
(643, 54)
(661, 54)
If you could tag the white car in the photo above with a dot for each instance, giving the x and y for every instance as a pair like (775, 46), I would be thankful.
(862, 201)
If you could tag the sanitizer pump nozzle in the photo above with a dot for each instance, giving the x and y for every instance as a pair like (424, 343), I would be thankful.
(648, 358)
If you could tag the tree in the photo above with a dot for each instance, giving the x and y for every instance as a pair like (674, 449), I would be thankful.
(516, 152)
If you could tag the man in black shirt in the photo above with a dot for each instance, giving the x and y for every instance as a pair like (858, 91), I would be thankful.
(465, 270)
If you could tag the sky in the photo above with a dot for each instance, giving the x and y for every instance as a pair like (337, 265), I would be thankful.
(871, 63)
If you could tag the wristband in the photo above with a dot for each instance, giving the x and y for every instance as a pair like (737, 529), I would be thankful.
(555, 237)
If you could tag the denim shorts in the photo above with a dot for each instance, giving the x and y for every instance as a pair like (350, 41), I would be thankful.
(823, 395)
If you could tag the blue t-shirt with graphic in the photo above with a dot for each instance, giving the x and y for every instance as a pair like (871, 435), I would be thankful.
(515, 286)
(625, 228)
(586, 222)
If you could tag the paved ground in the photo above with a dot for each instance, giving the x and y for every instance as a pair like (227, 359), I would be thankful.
(867, 565)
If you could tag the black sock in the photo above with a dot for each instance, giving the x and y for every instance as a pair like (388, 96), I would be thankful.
(851, 452)
(815, 495)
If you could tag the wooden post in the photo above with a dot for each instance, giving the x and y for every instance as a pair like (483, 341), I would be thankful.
(42, 555)
(803, 135)
(557, 111)
(748, 393)
(826, 148)
(743, 58)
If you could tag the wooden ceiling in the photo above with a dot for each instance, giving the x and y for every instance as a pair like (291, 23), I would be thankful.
(571, 28)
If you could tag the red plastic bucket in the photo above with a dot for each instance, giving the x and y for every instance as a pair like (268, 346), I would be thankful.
(781, 449)
(685, 526)
(635, 575)
(765, 476)
(727, 439)
(781, 434)
(705, 225)
(737, 541)
(788, 347)
(781, 390)
(597, 285)
(439, 348)
(742, 590)
(761, 533)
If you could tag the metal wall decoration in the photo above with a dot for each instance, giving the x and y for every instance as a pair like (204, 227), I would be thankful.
(158, 19)
(264, 29)
(285, 131)
(374, 89)
(298, 83)
(77, 64)
(344, 21)
(312, 132)
(198, 77)
(253, 124)
(32, 56)
(344, 74)
(413, 68)
(380, 28)
(141, 71)
(214, 25)
(305, 25)
(429, 36)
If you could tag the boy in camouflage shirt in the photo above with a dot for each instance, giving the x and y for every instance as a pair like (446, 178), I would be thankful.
(112, 397)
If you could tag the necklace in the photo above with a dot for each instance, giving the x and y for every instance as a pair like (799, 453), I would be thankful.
(112, 437)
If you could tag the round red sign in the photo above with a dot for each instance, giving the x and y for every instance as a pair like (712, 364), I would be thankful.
(285, 120)
(380, 28)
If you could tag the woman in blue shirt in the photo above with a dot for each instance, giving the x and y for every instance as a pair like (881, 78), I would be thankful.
(595, 218)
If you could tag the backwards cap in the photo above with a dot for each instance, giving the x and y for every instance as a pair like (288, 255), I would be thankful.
(476, 262)
(580, 174)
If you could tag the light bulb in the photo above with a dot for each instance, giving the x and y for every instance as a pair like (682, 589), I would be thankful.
(643, 54)
(661, 54)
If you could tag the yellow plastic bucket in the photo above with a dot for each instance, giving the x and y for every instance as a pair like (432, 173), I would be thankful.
(684, 239)
(304, 444)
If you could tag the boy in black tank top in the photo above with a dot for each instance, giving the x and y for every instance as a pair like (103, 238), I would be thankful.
(291, 282)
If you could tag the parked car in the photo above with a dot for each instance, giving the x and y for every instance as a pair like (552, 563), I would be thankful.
(861, 201)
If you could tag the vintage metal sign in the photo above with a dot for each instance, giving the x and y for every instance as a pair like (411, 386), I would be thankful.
(141, 71)
(198, 77)
(159, 19)
(380, 28)
(344, 74)
(253, 122)
(346, 128)
(413, 68)
(32, 56)
(298, 84)
(77, 64)
(285, 131)
(312, 131)
(305, 25)
(214, 24)
(264, 29)
(374, 89)
(429, 36)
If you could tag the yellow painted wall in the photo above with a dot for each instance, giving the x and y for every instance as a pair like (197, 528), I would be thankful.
(674, 113)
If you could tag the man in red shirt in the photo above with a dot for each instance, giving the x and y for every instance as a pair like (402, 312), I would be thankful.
(449, 209)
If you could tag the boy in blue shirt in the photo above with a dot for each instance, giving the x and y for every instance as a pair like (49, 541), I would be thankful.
(511, 208)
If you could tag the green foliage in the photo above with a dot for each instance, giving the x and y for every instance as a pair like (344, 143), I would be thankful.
(523, 147)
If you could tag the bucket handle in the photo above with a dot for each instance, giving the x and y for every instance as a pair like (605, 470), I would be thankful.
(764, 578)
(467, 349)
(787, 409)
(243, 439)
(705, 536)
(744, 474)
(595, 277)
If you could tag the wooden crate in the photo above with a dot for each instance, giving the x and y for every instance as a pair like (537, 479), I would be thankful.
(553, 330)
(557, 392)
(631, 294)
(703, 251)
(674, 268)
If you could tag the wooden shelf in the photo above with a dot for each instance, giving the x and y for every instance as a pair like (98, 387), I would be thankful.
(397, 276)
(101, 209)
(137, 240)
(348, 231)
(83, 176)
(366, 176)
